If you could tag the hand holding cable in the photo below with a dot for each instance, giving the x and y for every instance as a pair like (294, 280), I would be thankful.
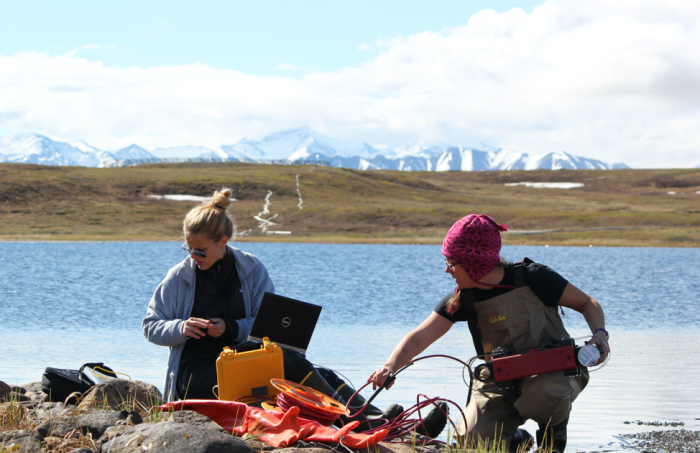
(602, 343)
(382, 378)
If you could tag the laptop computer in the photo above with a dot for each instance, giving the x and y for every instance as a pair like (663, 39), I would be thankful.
(288, 322)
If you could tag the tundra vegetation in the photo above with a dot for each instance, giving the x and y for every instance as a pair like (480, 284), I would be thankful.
(613, 208)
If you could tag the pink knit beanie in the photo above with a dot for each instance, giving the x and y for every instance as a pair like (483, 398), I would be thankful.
(474, 242)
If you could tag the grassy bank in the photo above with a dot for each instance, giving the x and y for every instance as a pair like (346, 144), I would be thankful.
(613, 208)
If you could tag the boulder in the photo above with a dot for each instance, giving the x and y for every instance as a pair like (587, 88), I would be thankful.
(32, 386)
(15, 396)
(46, 411)
(4, 390)
(110, 433)
(33, 391)
(18, 389)
(94, 423)
(257, 445)
(119, 394)
(20, 441)
(196, 419)
(173, 437)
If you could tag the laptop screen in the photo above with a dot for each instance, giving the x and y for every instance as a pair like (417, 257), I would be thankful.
(288, 322)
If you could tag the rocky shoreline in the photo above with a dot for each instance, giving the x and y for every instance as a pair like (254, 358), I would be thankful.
(116, 416)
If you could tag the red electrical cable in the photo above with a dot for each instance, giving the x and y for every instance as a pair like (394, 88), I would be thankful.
(312, 404)
(402, 425)
(309, 411)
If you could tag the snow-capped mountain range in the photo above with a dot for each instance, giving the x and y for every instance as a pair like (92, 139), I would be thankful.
(297, 146)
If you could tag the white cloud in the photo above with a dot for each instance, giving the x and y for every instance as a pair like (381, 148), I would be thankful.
(365, 48)
(614, 80)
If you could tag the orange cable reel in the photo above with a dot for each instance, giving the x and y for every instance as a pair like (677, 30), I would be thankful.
(309, 396)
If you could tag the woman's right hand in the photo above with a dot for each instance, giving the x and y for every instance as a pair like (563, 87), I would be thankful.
(379, 377)
(412, 344)
(195, 328)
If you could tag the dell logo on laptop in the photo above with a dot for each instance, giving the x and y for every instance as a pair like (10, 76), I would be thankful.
(286, 322)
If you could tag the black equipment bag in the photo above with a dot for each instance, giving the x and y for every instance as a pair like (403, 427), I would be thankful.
(60, 383)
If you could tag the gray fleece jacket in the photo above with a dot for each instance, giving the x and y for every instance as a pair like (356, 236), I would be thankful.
(171, 305)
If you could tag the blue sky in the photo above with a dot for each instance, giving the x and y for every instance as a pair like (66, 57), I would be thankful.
(252, 37)
(615, 80)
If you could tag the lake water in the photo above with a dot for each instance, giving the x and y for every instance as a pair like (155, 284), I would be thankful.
(64, 304)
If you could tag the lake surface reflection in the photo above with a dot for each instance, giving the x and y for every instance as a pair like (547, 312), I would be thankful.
(63, 304)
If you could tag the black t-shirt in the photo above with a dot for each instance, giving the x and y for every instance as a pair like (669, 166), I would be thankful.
(543, 281)
(217, 294)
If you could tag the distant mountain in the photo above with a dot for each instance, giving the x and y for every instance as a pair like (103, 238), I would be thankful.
(31, 148)
(293, 144)
(300, 145)
(132, 152)
(36, 149)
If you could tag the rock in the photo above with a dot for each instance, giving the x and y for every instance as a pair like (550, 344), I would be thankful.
(134, 418)
(94, 423)
(38, 397)
(21, 441)
(110, 433)
(259, 446)
(173, 437)
(32, 386)
(14, 396)
(18, 389)
(45, 411)
(32, 391)
(196, 419)
(118, 394)
(4, 390)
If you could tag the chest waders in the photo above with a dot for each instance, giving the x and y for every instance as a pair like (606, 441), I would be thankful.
(518, 320)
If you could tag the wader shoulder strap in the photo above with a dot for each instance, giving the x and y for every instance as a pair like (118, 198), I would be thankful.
(468, 299)
(518, 273)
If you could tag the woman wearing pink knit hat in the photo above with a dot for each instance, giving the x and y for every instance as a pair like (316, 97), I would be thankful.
(506, 305)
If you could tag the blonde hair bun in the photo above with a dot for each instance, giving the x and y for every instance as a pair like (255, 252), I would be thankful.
(221, 199)
(210, 218)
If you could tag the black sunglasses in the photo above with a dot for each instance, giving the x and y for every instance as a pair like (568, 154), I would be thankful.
(196, 252)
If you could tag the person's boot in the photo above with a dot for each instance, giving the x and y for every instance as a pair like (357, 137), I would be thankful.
(435, 421)
(552, 437)
(521, 441)
(314, 380)
(391, 412)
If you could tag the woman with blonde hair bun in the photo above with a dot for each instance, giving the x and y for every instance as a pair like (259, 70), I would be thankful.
(205, 302)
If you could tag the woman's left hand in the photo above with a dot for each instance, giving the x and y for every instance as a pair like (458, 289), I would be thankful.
(603, 346)
(577, 300)
(217, 327)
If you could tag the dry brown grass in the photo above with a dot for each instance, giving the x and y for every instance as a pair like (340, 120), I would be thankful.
(341, 205)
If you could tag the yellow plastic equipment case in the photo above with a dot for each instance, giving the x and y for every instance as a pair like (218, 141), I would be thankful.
(249, 373)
